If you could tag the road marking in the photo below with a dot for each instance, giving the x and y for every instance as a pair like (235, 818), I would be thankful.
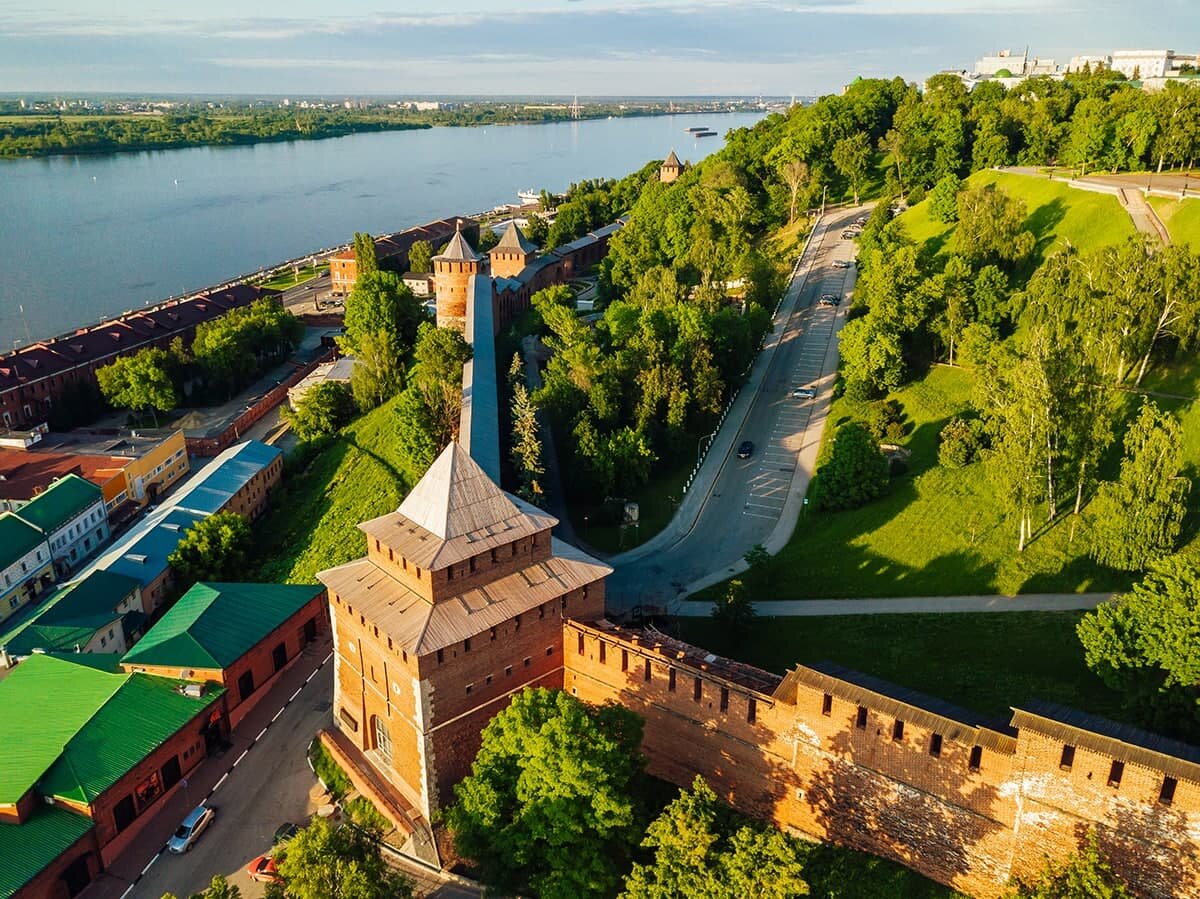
(762, 506)
(245, 752)
(327, 658)
(277, 714)
(314, 674)
(150, 863)
(260, 735)
(294, 695)
(756, 515)
(128, 890)
(218, 783)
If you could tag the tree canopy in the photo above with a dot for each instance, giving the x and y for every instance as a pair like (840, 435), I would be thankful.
(324, 861)
(550, 805)
(141, 382)
(212, 549)
(1085, 874)
(322, 410)
(855, 473)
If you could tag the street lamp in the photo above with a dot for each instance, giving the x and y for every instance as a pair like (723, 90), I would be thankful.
(700, 442)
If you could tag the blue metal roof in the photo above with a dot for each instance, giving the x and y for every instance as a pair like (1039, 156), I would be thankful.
(144, 557)
(213, 485)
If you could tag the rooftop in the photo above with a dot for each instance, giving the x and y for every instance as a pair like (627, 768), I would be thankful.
(71, 615)
(514, 241)
(26, 849)
(458, 250)
(213, 625)
(124, 445)
(672, 161)
(214, 484)
(17, 537)
(25, 473)
(65, 499)
(142, 552)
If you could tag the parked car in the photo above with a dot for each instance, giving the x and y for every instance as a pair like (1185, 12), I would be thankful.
(284, 832)
(264, 870)
(829, 299)
(849, 235)
(843, 263)
(860, 221)
(746, 450)
(805, 393)
(190, 830)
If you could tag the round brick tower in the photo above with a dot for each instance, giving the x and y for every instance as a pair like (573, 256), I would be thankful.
(452, 272)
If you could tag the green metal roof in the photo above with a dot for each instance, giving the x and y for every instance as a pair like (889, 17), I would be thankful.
(213, 625)
(60, 502)
(17, 537)
(26, 849)
(72, 728)
(71, 615)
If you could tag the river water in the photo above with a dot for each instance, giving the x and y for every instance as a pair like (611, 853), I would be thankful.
(84, 237)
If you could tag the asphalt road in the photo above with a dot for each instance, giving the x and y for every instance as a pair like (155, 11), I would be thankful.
(746, 499)
(306, 294)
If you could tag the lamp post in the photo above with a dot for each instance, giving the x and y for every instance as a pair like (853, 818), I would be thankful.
(700, 443)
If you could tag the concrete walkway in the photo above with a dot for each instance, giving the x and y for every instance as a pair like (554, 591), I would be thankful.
(908, 605)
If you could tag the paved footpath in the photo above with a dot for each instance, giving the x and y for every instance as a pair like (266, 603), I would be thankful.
(908, 605)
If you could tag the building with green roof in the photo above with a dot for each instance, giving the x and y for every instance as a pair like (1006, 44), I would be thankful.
(90, 755)
(26, 566)
(238, 635)
(101, 612)
(71, 513)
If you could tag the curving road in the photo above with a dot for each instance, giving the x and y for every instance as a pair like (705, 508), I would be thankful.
(737, 503)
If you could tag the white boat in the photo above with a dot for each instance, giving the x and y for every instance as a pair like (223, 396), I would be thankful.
(529, 196)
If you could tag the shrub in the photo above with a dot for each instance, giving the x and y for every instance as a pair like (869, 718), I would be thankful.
(960, 442)
(856, 473)
(943, 199)
(886, 423)
(334, 778)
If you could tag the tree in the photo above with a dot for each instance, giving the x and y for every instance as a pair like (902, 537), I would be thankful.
(852, 158)
(440, 355)
(757, 559)
(378, 373)
(140, 382)
(324, 861)
(212, 549)
(220, 888)
(366, 259)
(526, 444)
(943, 199)
(322, 411)
(991, 227)
(703, 848)
(415, 437)
(1142, 644)
(796, 176)
(960, 442)
(1085, 874)
(381, 302)
(733, 608)
(855, 473)
(420, 257)
(1137, 518)
(550, 803)
(230, 349)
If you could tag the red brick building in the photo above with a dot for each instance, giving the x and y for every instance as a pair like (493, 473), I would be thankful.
(392, 251)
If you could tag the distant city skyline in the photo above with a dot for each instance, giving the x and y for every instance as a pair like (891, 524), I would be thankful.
(563, 47)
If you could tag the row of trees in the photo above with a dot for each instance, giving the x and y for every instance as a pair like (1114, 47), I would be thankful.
(226, 354)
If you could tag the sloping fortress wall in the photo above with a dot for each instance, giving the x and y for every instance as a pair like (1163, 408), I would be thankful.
(840, 756)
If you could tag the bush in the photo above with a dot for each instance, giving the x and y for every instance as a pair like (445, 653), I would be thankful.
(362, 812)
(856, 473)
(886, 423)
(943, 199)
(916, 195)
(859, 391)
(960, 442)
(334, 778)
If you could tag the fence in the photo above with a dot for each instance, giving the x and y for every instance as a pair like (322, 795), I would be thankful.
(212, 446)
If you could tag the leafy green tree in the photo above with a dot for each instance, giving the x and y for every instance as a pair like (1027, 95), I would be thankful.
(960, 442)
(758, 559)
(322, 411)
(852, 158)
(526, 444)
(1137, 518)
(796, 176)
(366, 258)
(440, 355)
(550, 803)
(420, 257)
(324, 861)
(855, 473)
(871, 355)
(733, 607)
(212, 549)
(1085, 874)
(702, 848)
(140, 382)
(381, 302)
(989, 296)
(378, 373)
(943, 199)
(415, 433)
(991, 227)
(230, 350)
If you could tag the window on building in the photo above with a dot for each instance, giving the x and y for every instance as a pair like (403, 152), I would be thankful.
(581, 644)
(976, 759)
(493, 634)
(1115, 773)
(935, 745)
(697, 690)
(624, 659)
(646, 676)
(527, 661)
(467, 645)
(752, 710)
(549, 650)
(724, 699)
(441, 656)
(897, 729)
(488, 679)
(1067, 759)
(517, 623)
(470, 687)
(508, 670)
(603, 652)
(671, 680)
(827, 705)
(542, 611)
(1166, 795)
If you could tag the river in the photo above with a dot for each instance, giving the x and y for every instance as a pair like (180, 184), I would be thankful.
(85, 237)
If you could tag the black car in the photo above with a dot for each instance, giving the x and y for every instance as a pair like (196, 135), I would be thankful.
(746, 449)
(829, 299)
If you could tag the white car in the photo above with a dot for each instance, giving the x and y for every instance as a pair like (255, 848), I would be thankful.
(842, 263)
(805, 393)
(189, 831)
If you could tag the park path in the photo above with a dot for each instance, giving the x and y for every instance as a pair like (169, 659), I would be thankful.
(909, 605)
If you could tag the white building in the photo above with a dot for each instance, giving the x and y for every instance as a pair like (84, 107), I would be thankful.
(1090, 62)
(26, 569)
(1005, 60)
(1139, 64)
(71, 513)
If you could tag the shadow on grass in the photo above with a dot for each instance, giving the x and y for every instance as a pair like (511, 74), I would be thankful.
(1043, 221)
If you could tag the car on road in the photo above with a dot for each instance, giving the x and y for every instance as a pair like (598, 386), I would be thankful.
(829, 299)
(190, 830)
(849, 235)
(860, 221)
(843, 263)
(805, 393)
(746, 450)
(284, 832)
(264, 870)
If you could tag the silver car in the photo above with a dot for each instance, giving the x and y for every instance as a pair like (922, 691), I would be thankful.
(805, 393)
(189, 831)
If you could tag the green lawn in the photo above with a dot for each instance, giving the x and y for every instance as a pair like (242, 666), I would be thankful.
(291, 279)
(657, 502)
(1057, 214)
(315, 514)
(1030, 655)
(1182, 218)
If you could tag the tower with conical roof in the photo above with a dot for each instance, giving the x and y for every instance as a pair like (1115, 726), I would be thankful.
(512, 254)
(671, 169)
(453, 270)
(457, 605)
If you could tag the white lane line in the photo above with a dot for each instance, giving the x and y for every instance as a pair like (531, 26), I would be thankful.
(128, 890)
(762, 506)
(260, 735)
(756, 515)
(221, 781)
(311, 676)
(150, 863)
(327, 658)
(245, 752)
(277, 714)
(294, 695)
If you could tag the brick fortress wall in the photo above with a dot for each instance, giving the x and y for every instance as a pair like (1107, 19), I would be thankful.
(962, 803)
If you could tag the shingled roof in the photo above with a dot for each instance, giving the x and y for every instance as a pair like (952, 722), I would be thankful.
(453, 513)
(514, 241)
(672, 161)
(458, 250)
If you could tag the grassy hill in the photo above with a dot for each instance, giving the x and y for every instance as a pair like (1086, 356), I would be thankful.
(1182, 218)
(1058, 215)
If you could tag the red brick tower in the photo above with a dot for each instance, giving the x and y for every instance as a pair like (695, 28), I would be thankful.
(458, 604)
(453, 270)
(512, 254)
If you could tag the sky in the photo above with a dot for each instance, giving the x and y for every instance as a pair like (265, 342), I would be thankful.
(560, 47)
